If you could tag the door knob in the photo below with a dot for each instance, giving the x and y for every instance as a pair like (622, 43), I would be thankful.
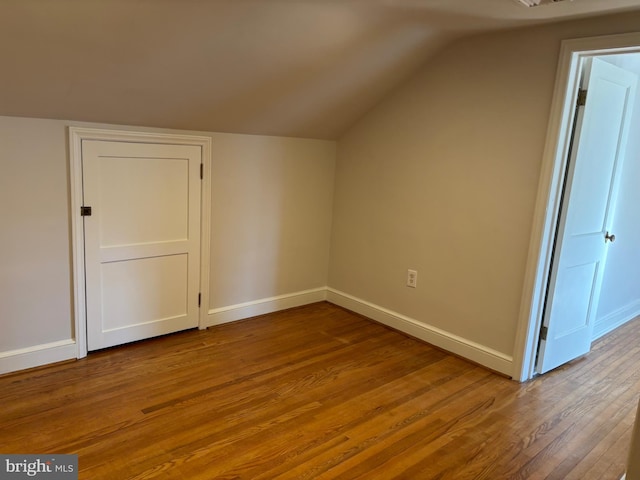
(609, 237)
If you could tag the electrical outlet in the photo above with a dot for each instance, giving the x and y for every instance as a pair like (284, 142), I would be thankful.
(412, 278)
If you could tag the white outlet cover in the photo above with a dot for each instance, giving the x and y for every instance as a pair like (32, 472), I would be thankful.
(412, 278)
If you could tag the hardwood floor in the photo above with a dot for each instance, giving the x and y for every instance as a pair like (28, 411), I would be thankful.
(319, 392)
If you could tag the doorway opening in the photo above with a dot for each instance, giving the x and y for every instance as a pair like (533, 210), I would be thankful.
(576, 58)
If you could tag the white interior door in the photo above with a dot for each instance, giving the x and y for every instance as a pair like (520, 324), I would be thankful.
(587, 215)
(142, 239)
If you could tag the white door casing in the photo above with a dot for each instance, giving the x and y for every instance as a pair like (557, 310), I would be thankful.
(573, 53)
(146, 242)
(587, 215)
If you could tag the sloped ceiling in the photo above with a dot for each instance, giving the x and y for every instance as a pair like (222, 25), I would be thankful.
(306, 68)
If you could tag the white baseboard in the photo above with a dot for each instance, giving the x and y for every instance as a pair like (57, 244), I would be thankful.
(66, 349)
(37, 355)
(262, 306)
(477, 353)
(616, 319)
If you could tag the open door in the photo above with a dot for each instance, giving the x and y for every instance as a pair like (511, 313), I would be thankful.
(586, 217)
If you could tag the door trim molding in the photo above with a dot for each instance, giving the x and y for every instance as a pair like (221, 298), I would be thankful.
(76, 136)
(547, 207)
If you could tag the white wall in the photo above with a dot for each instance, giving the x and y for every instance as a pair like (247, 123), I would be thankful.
(271, 218)
(442, 177)
(620, 295)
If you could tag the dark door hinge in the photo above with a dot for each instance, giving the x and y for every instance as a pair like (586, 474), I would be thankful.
(199, 299)
(582, 98)
(201, 171)
(85, 211)
(543, 333)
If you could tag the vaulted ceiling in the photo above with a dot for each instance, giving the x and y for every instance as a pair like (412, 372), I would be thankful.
(307, 68)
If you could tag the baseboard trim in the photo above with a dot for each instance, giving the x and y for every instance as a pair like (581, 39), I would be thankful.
(37, 355)
(475, 352)
(262, 306)
(616, 319)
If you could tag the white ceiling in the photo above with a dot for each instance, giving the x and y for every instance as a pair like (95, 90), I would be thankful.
(306, 68)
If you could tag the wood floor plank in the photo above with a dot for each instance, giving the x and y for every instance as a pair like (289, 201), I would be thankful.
(318, 392)
(405, 413)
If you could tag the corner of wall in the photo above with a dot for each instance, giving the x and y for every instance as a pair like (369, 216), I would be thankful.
(231, 313)
(472, 351)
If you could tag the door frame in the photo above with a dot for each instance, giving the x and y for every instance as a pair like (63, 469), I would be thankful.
(547, 208)
(76, 137)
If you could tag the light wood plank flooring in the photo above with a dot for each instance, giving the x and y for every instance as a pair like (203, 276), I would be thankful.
(319, 392)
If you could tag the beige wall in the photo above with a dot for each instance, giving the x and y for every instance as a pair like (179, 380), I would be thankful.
(35, 248)
(442, 177)
(271, 218)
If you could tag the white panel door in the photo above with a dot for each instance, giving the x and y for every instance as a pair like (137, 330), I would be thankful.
(142, 239)
(587, 215)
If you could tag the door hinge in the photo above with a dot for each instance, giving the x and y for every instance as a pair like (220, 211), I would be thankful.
(85, 211)
(543, 333)
(199, 299)
(201, 171)
(582, 98)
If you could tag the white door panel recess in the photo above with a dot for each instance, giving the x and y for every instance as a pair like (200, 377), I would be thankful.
(586, 219)
(141, 239)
